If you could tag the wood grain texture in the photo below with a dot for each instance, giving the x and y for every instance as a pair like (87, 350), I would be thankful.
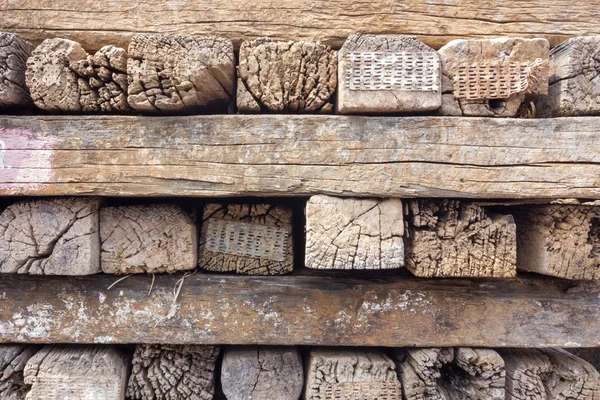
(322, 310)
(13, 358)
(435, 22)
(300, 155)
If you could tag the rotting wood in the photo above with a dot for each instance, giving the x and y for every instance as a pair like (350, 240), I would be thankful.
(574, 86)
(56, 236)
(451, 374)
(344, 233)
(533, 374)
(324, 310)
(435, 21)
(171, 372)
(77, 373)
(14, 52)
(559, 240)
(13, 358)
(285, 76)
(459, 238)
(147, 239)
(276, 155)
(252, 239)
(180, 73)
(351, 374)
(387, 74)
(61, 76)
(590, 354)
(261, 373)
(480, 67)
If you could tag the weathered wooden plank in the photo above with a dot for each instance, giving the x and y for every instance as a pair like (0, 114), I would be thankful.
(379, 310)
(435, 21)
(300, 155)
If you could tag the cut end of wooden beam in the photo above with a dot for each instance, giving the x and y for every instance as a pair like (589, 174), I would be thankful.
(452, 238)
(348, 233)
(13, 359)
(14, 52)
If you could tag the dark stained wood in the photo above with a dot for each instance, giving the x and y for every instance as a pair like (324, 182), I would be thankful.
(321, 309)
(284, 155)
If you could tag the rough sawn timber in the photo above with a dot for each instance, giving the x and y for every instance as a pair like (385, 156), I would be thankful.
(276, 155)
(374, 309)
(93, 24)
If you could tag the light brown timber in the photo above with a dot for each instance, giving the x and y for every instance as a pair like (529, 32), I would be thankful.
(276, 155)
(374, 309)
(436, 22)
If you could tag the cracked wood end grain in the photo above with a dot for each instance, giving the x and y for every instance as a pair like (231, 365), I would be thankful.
(447, 374)
(346, 374)
(180, 73)
(461, 53)
(387, 74)
(252, 239)
(14, 52)
(172, 372)
(77, 373)
(533, 374)
(262, 372)
(62, 76)
(559, 240)
(285, 76)
(454, 238)
(351, 233)
(574, 87)
(13, 359)
(57, 236)
(147, 239)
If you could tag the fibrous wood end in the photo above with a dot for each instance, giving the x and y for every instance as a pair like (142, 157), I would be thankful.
(147, 239)
(346, 233)
(13, 359)
(173, 372)
(262, 372)
(56, 236)
(285, 76)
(180, 73)
(14, 52)
(61, 76)
(253, 239)
(454, 238)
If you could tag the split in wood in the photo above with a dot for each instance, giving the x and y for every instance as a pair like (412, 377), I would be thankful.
(14, 52)
(253, 239)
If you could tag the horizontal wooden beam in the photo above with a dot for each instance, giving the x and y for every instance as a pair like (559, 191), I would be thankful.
(287, 155)
(378, 310)
(434, 21)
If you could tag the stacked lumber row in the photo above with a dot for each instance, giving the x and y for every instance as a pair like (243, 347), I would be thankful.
(284, 373)
(502, 77)
(432, 238)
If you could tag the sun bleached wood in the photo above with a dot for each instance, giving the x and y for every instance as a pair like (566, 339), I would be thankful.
(13, 358)
(350, 374)
(371, 96)
(459, 238)
(277, 155)
(559, 240)
(346, 233)
(574, 86)
(505, 50)
(285, 76)
(533, 374)
(77, 373)
(252, 239)
(447, 373)
(62, 76)
(180, 73)
(14, 51)
(56, 236)
(147, 239)
(377, 309)
(261, 373)
(162, 372)
(436, 21)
